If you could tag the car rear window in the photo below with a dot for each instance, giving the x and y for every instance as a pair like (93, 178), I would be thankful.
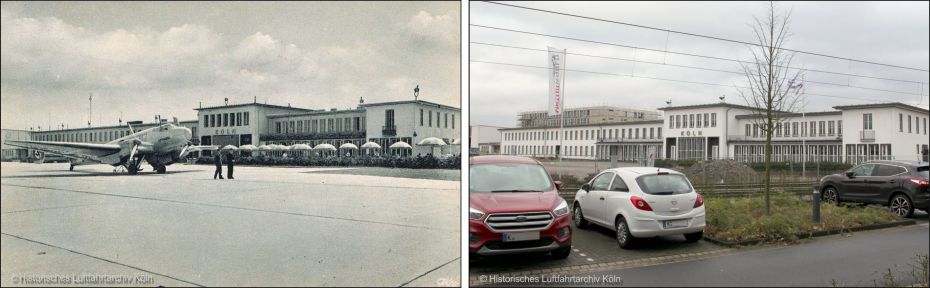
(664, 184)
(922, 171)
(508, 177)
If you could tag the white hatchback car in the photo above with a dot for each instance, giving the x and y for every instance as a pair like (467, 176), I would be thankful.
(639, 202)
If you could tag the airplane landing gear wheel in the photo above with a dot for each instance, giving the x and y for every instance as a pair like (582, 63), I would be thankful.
(71, 168)
(161, 169)
(133, 167)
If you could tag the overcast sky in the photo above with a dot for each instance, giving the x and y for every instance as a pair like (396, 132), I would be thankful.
(147, 58)
(885, 32)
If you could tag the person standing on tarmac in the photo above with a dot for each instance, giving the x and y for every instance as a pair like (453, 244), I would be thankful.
(230, 161)
(219, 165)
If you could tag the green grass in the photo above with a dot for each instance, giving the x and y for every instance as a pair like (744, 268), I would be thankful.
(740, 219)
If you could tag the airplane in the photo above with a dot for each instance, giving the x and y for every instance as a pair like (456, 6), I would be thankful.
(160, 146)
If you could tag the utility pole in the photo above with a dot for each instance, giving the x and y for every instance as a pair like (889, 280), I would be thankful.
(90, 111)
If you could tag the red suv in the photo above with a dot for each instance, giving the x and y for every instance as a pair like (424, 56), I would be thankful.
(515, 207)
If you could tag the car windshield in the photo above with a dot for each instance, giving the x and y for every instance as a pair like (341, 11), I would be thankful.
(664, 184)
(508, 177)
(922, 171)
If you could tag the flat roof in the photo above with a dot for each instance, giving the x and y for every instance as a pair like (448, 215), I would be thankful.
(823, 113)
(318, 112)
(590, 125)
(409, 102)
(252, 104)
(110, 127)
(882, 105)
(708, 106)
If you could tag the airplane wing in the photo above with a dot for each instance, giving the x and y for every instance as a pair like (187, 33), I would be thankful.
(69, 149)
(193, 148)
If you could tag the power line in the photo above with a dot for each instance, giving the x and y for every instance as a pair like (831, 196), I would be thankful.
(689, 67)
(683, 53)
(703, 36)
(663, 79)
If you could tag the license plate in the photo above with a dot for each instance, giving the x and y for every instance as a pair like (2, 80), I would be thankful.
(669, 224)
(521, 236)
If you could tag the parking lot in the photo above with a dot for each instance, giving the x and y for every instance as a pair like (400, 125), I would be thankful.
(591, 246)
(269, 226)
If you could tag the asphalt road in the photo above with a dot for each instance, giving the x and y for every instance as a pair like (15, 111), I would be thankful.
(851, 261)
(268, 227)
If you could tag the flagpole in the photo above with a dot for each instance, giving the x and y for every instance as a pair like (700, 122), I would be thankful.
(562, 112)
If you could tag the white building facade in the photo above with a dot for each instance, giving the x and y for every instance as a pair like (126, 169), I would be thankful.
(850, 134)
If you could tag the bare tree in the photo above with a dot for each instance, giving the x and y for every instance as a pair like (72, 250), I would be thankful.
(769, 81)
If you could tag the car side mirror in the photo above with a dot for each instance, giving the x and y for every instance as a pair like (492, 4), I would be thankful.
(558, 184)
(586, 187)
(850, 174)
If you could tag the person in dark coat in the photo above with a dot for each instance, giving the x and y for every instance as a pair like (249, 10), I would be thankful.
(219, 165)
(230, 161)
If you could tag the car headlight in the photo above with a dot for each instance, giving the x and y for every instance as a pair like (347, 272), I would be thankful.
(562, 209)
(474, 214)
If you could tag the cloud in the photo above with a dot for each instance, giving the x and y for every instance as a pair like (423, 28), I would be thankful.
(442, 29)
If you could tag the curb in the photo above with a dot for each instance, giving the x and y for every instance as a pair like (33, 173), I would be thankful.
(590, 268)
(807, 235)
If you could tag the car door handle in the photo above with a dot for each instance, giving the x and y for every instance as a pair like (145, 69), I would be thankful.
(602, 198)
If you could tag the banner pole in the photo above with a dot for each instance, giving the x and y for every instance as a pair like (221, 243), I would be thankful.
(562, 112)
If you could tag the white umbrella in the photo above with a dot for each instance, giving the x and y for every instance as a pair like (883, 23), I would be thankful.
(301, 147)
(400, 144)
(371, 145)
(348, 146)
(248, 147)
(229, 147)
(264, 147)
(278, 147)
(432, 141)
(325, 146)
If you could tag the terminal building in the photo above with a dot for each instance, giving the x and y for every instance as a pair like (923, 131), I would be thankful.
(259, 124)
(852, 134)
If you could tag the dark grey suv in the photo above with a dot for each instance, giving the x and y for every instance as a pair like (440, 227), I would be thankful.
(901, 185)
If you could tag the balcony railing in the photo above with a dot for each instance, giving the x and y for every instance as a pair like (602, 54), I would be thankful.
(389, 130)
(867, 135)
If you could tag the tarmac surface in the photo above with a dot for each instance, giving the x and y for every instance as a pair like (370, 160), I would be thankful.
(267, 227)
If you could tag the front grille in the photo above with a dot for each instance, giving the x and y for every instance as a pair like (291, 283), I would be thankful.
(498, 245)
(519, 221)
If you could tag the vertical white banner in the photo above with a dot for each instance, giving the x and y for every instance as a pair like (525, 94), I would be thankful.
(556, 58)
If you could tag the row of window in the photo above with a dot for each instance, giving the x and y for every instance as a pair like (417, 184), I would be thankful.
(590, 134)
(226, 119)
(92, 137)
(344, 124)
(798, 129)
(582, 151)
(428, 120)
(910, 123)
(706, 120)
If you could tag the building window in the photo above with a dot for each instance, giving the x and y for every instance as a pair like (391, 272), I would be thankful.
(389, 118)
(690, 120)
(830, 128)
(245, 118)
(820, 128)
(677, 121)
(430, 118)
(925, 125)
(867, 121)
(706, 120)
(713, 120)
(671, 121)
(239, 119)
(300, 126)
(839, 127)
(698, 120)
(225, 119)
(421, 117)
(453, 120)
(748, 130)
(900, 122)
(445, 120)
(794, 129)
(755, 130)
(212, 120)
(206, 120)
(659, 132)
(277, 127)
(651, 135)
(909, 130)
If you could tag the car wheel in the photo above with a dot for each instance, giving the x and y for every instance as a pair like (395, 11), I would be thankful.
(902, 206)
(562, 253)
(830, 196)
(694, 237)
(624, 238)
(578, 218)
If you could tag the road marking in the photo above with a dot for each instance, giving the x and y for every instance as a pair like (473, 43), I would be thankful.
(590, 260)
(102, 259)
(583, 255)
(576, 250)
